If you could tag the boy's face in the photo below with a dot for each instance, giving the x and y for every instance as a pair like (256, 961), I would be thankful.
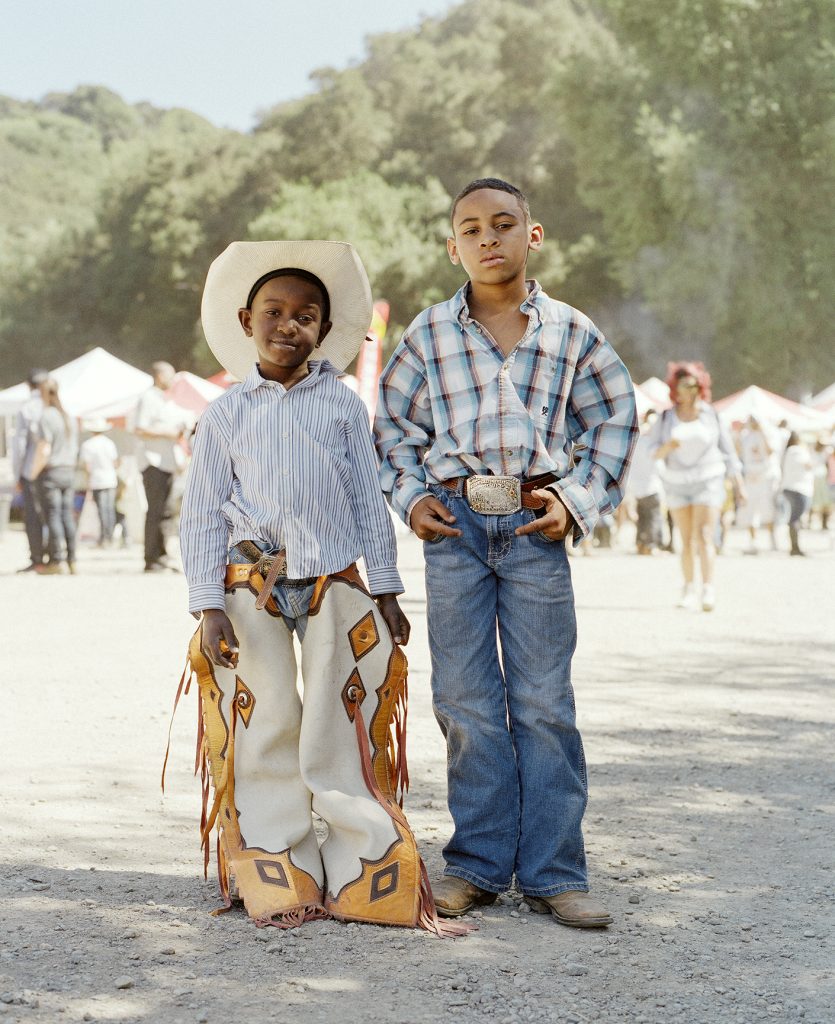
(285, 322)
(492, 237)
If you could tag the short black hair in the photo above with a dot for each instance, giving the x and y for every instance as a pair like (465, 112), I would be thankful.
(497, 183)
(305, 275)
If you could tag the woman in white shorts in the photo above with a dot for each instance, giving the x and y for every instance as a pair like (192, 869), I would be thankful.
(697, 454)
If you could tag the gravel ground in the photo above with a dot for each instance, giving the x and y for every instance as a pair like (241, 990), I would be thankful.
(709, 739)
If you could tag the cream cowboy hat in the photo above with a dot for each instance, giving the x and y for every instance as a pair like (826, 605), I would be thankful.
(238, 267)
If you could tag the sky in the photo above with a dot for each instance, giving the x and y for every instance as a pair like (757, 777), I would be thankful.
(224, 59)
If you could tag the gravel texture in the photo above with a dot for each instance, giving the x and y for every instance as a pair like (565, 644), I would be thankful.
(709, 739)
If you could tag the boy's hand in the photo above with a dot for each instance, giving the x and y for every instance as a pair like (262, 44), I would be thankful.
(396, 621)
(429, 519)
(556, 522)
(219, 642)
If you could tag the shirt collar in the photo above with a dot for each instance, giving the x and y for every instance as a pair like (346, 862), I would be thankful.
(533, 304)
(316, 367)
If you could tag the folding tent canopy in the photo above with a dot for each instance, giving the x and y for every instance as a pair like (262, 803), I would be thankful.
(657, 392)
(770, 408)
(88, 385)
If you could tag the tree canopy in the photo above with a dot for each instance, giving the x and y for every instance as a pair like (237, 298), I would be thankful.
(680, 154)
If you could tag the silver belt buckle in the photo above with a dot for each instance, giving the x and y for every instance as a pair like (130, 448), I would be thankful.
(265, 563)
(493, 495)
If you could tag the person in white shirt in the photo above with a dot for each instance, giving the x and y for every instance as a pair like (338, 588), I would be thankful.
(798, 484)
(756, 452)
(644, 485)
(160, 426)
(100, 457)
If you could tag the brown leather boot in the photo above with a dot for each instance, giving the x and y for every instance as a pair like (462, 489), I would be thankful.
(456, 896)
(574, 909)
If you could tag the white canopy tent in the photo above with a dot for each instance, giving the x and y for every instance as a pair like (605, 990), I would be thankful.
(770, 409)
(87, 385)
(656, 392)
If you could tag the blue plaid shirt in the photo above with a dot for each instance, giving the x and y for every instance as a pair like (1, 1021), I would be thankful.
(451, 403)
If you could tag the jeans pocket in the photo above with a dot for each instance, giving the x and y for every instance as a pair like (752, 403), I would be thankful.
(538, 538)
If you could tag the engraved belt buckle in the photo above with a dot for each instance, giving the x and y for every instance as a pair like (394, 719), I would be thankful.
(493, 495)
(265, 563)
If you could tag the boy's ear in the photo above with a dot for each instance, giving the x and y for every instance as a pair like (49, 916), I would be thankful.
(452, 250)
(323, 330)
(245, 317)
(537, 237)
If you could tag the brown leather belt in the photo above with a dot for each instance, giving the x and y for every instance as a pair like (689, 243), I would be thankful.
(528, 499)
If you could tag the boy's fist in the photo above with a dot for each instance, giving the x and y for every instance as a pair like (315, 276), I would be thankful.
(430, 518)
(218, 641)
(396, 621)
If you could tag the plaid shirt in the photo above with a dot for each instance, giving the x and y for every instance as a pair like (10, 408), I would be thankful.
(451, 403)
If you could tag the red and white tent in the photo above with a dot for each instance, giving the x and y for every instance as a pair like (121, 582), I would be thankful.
(770, 408)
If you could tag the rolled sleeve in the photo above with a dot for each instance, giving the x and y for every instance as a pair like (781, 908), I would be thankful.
(602, 423)
(204, 532)
(373, 519)
(403, 429)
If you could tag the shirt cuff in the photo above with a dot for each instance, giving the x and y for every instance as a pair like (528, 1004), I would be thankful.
(579, 501)
(206, 595)
(385, 580)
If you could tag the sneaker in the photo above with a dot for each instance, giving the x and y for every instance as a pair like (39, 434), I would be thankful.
(49, 569)
(708, 598)
(688, 599)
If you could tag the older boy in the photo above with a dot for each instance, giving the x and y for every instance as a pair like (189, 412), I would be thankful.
(282, 498)
(505, 423)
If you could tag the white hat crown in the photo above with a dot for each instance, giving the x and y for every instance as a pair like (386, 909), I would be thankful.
(241, 264)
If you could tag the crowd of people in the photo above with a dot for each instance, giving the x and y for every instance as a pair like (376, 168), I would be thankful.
(753, 476)
(690, 480)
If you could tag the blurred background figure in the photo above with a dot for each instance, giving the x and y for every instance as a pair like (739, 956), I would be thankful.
(58, 440)
(761, 483)
(822, 493)
(798, 484)
(644, 485)
(27, 424)
(697, 455)
(160, 425)
(99, 457)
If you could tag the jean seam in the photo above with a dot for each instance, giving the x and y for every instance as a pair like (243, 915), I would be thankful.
(470, 876)
(554, 890)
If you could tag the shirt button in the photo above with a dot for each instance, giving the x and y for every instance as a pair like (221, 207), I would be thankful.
(286, 433)
(285, 471)
(509, 451)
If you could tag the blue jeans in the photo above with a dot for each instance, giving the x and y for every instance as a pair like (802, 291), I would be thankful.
(515, 764)
(57, 494)
(105, 499)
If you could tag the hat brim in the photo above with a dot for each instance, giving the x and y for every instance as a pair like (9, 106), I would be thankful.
(240, 265)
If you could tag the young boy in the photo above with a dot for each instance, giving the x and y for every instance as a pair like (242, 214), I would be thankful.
(505, 424)
(282, 498)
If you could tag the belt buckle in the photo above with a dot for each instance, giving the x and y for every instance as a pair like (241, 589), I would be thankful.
(493, 495)
(265, 563)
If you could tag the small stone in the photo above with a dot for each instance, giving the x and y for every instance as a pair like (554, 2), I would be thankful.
(634, 899)
(514, 913)
(576, 970)
(168, 951)
(808, 934)
(124, 982)
(130, 933)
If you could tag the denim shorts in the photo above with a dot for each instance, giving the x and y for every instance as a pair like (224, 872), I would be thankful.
(704, 492)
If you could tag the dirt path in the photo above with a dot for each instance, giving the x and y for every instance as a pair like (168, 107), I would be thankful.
(710, 828)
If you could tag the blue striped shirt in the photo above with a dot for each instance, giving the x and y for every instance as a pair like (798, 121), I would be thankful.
(451, 403)
(291, 469)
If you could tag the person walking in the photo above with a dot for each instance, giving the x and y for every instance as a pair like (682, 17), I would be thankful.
(697, 454)
(159, 426)
(56, 482)
(100, 457)
(798, 484)
(756, 453)
(644, 485)
(27, 425)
